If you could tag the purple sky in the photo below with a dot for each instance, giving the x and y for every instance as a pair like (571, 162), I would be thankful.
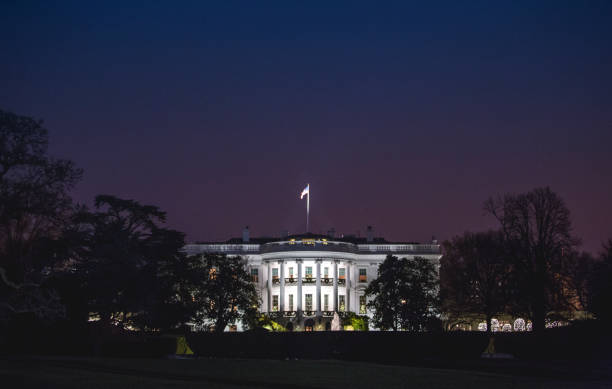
(406, 117)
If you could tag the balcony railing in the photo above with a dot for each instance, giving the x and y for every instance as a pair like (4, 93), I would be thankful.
(328, 313)
(309, 313)
(289, 313)
(400, 248)
(312, 280)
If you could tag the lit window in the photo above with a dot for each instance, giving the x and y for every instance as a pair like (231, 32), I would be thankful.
(342, 273)
(254, 275)
(212, 273)
(290, 271)
(274, 273)
(363, 275)
(326, 302)
(341, 304)
(309, 302)
(326, 272)
(362, 305)
(275, 303)
(308, 271)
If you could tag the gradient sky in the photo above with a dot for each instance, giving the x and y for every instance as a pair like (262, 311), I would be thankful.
(405, 116)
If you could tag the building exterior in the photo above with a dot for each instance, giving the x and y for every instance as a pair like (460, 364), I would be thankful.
(304, 279)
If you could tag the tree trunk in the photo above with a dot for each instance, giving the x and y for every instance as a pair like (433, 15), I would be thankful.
(539, 306)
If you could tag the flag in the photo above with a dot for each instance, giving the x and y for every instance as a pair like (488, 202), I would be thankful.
(305, 192)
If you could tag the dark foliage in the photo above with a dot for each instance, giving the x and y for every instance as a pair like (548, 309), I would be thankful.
(223, 292)
(130, 269)
(405, 294)
(34, 207)
(601, 285)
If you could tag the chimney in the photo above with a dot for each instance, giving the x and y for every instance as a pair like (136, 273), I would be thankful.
(434, 240)
(370, 234)
(332, 232)
(245, 235)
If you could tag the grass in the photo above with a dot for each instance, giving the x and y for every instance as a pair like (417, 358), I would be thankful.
(54, 372)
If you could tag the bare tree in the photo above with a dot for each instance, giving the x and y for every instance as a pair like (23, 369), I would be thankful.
(34, 204)
(476, 276)
(538, 232)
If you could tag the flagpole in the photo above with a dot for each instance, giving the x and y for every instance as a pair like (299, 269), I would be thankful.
(307, 206)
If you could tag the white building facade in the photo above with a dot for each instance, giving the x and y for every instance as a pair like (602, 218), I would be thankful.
(305, 279)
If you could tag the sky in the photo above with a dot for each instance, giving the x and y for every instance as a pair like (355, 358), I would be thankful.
(402, 115)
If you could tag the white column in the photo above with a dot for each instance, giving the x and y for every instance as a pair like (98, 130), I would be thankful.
(335, 303)
(282, 285)
(269, 287)
(348, 286)
(318, 287)
(299, 288)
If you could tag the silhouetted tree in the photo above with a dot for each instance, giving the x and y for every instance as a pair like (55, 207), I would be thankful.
(34, 204)
(578, 275)
(538, 232)
(601, 285)
(477, 276)
(224, 293)
(405, 294)
(132, 270)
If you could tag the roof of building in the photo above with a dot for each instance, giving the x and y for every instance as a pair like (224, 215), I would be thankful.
(342, 238)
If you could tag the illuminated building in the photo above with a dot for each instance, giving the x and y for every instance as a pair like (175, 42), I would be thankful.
(304, 279)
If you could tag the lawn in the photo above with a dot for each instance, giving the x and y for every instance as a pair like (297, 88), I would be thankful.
(52, 372)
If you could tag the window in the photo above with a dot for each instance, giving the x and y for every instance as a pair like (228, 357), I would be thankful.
(363, 275)
(308, 271)
(341, 304)
(362, 305)
(290, 271)
(212, 273)
(326, 302)
(275, 273)
(254, 275)
(309, 302)
(326, 272)
(342, 273)
(275, 303)
(290, 302)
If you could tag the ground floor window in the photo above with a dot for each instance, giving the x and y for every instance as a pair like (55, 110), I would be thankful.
(275, 303)
(362, 305)
(342, 303)
(309, 302)
(326, 302)
(254, 275)
(291, 302)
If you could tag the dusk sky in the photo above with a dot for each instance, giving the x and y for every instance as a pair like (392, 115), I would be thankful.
(401, 115)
